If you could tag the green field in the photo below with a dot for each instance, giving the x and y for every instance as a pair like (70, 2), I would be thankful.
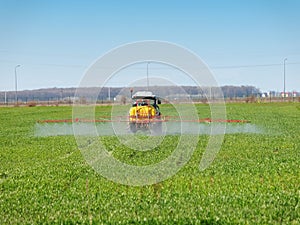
(255, 178)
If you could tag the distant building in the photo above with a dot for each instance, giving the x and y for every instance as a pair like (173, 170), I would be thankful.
(71, 99)
(290, 94)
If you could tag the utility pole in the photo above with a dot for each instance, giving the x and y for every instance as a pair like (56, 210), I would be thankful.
(148, 76)
(16, 84)
(284, 78)
(131, 90)
(108, 93)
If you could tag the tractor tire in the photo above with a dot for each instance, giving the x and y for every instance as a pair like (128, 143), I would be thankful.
(132, 127)
(157, 128)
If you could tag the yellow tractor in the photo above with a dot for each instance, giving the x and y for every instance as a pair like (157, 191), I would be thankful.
(144, 113)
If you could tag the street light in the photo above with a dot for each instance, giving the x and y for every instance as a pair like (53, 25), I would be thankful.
(16, 84)
(284, 77)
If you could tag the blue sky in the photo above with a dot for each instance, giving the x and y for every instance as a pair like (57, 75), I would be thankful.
(243, 42)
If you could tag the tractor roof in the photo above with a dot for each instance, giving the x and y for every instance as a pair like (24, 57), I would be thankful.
(144, 94)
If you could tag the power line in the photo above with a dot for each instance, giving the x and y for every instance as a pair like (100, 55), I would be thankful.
(252, 65)
(154, 68)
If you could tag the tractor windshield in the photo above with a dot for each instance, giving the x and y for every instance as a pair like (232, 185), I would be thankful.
(143, 102)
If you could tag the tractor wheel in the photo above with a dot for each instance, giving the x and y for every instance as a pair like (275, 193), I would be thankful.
(157, 128)
(133, 127)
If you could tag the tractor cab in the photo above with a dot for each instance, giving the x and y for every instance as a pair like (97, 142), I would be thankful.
(145, 98)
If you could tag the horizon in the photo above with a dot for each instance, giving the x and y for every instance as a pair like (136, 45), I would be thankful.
(151, 86)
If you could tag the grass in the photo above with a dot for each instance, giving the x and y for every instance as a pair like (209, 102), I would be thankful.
(253, 180)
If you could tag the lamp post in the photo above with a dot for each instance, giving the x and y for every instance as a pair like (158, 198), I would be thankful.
(284, 77)
(16, 84)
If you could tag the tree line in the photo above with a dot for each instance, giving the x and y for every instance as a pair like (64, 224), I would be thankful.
(111, 93)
